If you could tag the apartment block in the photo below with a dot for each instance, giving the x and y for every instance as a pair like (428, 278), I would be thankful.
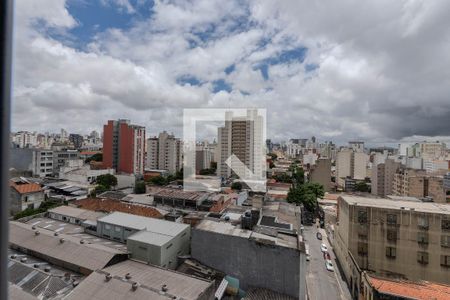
(383, 177)
(419, 184)
(243, 137)
(321, 173)
(350, 164)
(164, 153)
(393, 238)
(123, 147)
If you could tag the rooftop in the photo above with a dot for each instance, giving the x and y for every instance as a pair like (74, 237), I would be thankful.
(71, 250)
(77, 213)
(229, 229)
(26, 188)
(422, 290)
(109, 205)
(426, 207)
(144, 223)
(149, 237)
(150, 281)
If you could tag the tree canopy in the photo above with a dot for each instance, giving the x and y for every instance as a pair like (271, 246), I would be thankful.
(95, 157)
(139, 187)
(306, 194)
(361, 186)
(107, 180)
(273, 156)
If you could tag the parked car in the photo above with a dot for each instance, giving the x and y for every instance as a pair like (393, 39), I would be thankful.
(319, 236)
(323, 248)
(329, 265)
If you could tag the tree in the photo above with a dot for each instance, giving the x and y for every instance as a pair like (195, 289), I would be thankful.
(306, 194)
(107, 180)
(95, 157)
(361, 186)
(283, 178)
(100, 189)
(271, 164)
(213, 165)
(236, 186)
(158, 180)
(139, 187)
(298, 175)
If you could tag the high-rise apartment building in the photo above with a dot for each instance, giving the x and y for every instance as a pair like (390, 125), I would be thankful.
(395, 238)
(243, 137)
(164, 153)
(350, 164)
(321, 173)
(383, 177)
(123, 147)
(356, 146)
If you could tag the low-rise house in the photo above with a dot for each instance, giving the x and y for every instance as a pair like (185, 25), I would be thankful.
(25, 195)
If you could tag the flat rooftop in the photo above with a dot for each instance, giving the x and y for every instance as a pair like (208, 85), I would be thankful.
(426, 207)
(75, 231)
(150, 281)
(144, 223)
(226, 228)
(77, 213)
(149, 237)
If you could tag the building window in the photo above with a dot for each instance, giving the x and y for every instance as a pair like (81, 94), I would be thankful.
(390, 252)
(107, 227)
(422, 257)
(391, 219)
(362, 248)
(422, 238)
(117, 228)
(422, 222)
(445, 241)
(362, 217)
(445, 224)
(445, 260)
(391, 235)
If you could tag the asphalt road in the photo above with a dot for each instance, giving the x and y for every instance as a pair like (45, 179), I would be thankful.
(321, 283)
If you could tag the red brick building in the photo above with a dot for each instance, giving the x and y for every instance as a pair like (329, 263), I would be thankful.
(124, 147)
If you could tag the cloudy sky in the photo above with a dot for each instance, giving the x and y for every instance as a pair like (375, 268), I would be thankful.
(373, 70)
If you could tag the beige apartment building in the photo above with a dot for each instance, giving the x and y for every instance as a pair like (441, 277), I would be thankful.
(383, 177)
(164, 153)
(243, 137)
(350, 164)
(392, 238)
(417, 183)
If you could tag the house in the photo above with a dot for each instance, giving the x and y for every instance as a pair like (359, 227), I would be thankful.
(25, 195)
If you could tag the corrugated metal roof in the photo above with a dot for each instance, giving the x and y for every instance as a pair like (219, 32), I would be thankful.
(144, 223)
(88, 256)
(150, 280)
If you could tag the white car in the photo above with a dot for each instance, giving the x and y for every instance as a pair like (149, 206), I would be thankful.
(329, 265)
(323, 248)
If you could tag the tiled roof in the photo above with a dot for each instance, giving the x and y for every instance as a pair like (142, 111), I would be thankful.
(26, 188)
(422, 290)
(108, 205)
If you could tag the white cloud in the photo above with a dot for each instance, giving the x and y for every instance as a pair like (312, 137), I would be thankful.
(383, 66)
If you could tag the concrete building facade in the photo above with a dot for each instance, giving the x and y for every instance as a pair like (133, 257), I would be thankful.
(393, 238)
(255, 259)
(151, 240)
(321, 173)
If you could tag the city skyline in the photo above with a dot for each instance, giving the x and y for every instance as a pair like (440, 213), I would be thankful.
(340, 80)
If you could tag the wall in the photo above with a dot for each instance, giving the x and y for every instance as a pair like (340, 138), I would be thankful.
(253, 263)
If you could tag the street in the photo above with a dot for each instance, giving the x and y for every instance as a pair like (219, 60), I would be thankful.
(321, 283)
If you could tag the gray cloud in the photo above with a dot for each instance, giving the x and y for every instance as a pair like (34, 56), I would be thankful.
(383, 67)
